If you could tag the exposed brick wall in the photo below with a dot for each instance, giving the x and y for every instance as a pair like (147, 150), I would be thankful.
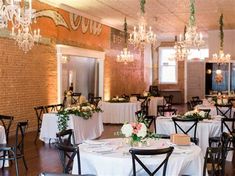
(27, 80)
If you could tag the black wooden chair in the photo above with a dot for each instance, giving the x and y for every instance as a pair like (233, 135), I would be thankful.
(68, 150)
(195, 98)
(189, 106)
(169, 99)
(215, 157)
(138, 152)
(196, 102)
(192, 127)
(224, 110)
(154, 91)
(75, 98)
(227, 124)
(39, 110)
(95, 100)
(53, 108)
(90, 96)
(15, 151)
(6, 123)
(163, 109)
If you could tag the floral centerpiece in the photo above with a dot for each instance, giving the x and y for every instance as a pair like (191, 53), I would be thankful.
(84, 110)
(195, 115)
(119, 100)
(136, 132)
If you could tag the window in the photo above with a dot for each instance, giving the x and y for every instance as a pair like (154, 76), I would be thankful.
(167, 67)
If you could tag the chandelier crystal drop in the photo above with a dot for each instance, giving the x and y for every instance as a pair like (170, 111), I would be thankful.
(125, 55)
(142, 35)
(21, 16)
(193, 39)
(221, 58)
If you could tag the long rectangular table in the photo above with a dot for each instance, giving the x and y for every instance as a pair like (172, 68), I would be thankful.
(83, 129)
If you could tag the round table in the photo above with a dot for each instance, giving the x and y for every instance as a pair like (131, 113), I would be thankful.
(117, 113)
(116, 161)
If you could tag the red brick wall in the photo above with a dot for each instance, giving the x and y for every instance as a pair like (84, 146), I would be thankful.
(27, 80)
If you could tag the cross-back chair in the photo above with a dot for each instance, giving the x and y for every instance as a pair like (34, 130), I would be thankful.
(39, 111)
(192, 127)
(75, 97)
(138, 152)
(68, 150)
(53, 108)
(215, 157)
(6, 123)
(163, 109)
(15, 151)
(224, 110)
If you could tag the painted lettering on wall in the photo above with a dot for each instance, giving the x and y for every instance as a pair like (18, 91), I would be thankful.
(87, 25)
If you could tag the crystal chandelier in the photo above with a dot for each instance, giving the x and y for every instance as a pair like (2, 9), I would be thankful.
(221, 58)
(181, 52)
(21, 15)
(141, 36)
(192, 37)
(125, 55)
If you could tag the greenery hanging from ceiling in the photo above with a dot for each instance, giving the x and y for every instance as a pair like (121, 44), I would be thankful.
(142, 4)
(192, 13)
(221, 22)
(125, 32)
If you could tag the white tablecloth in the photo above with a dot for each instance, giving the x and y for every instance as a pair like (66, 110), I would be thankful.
(154, 102)
(119, 163)
(83, 129)
(205, 129)
(3, 141)
(119, 112)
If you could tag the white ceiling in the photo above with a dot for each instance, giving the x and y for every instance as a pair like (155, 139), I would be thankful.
(167, 17)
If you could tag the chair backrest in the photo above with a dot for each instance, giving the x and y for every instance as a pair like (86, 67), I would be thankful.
(192, 127)
(145, 105)
(6, 122)
(224, 110)
(53, 108)
(195, 98)
(162, 109)
(68, 150)
(75, 97)
(228, 124)
(154, 91)
(39, 110)
(90, 96)
(189, 106)
(216, 156)
(20, 135)
(196, 102)
(95, 100)
(136, 152)
(169, 99)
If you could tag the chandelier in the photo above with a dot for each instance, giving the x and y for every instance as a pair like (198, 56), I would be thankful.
(21, 15)
(192, 37)
(181, 52)
(125, 55)
(141, 36)
(221, 58)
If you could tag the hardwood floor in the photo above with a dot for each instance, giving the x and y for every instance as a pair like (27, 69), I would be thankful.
(42, 157)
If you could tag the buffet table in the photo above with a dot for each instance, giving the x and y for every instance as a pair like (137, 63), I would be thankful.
(120, 112)
(83, 129)
(112, 157)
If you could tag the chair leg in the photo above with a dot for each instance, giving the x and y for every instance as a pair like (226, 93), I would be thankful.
(36, 138)
(4, 157)
(25, 164)
(16, 162)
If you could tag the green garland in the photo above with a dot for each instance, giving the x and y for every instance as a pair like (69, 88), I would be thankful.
(84, 111)
(221, 22)
(125, 32)
(192, 13)
(142, 4)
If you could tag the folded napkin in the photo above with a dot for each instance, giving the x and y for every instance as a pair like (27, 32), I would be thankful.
(182, 150)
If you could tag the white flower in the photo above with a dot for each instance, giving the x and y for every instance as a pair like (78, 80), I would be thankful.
(189, 113)
(143, 131)
(202, 113)
(127, 130)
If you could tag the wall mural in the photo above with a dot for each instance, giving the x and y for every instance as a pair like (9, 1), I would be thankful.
(76, 21)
